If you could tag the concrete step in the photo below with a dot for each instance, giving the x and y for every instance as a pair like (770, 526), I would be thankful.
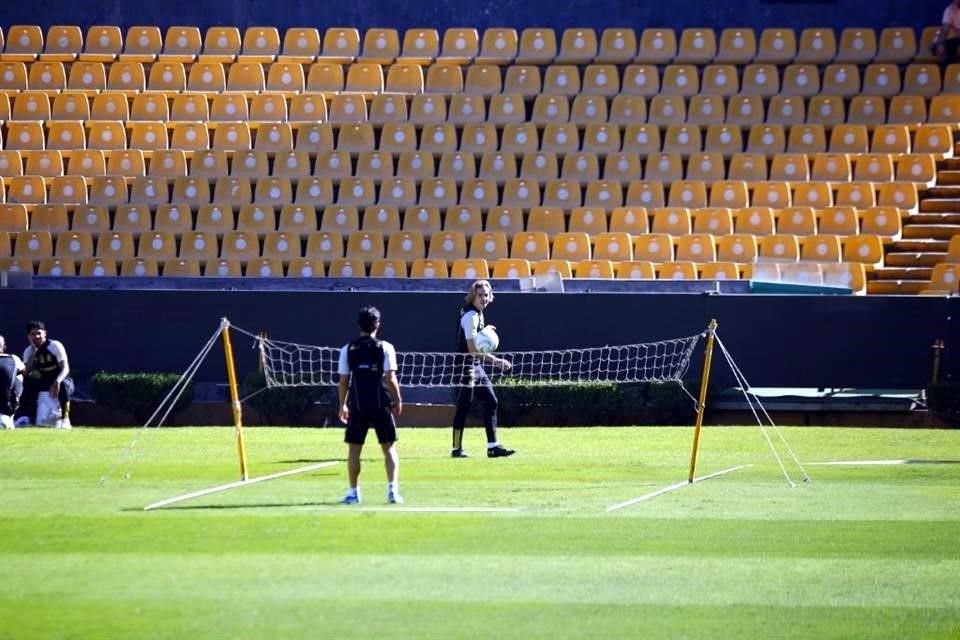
(937, 231)
(920, 245)
(948, 177)
(913, 258)
(934, 217)
(896, 287)
(939, 205)
(902, 273)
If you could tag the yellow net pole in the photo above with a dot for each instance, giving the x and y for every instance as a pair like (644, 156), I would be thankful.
(234, 397)
(704, 382)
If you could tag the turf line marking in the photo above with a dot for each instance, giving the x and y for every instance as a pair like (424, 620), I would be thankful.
(881, 462)
(673, 487)
(237, 484)
(361, 508)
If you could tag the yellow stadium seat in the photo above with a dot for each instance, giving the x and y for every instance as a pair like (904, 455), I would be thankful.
(429, 268)
(489, 245)
(867, 110)
(736, 46)
(140, 267)
(141, 44)
(657, 46)
(406, 246)
(169, 217)
(116, 246)
(577, 46)
(677, 270)
(778, 247)
(776, 46)
(590, 220)
(857, 45)
(530, 245)
(922, 79)
(301, 45)
(653, 247)
(381, 45)
(817, 45)
(447, 245)
(159, 245)
(498, 46)
(740, 248)
(640, 80)
(635, 270)
(324, 246)
(799, 220)
(821, 248)
(459, 46)
(464, 218)
(562, 268)
(260, 44)
(613, 245)
(537, 46)
(341, 45)
(617, 46)
(511, 268)
(508, 219)
(719, 271)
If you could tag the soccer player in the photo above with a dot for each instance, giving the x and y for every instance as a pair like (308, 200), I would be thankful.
(11, 384)
(370, 396)
(47, 369)
(476, 385)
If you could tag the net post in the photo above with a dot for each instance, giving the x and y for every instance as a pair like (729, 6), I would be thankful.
(701, 404)
(234, 397)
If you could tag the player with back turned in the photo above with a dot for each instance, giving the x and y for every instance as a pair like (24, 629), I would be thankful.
(370, 397)
(476, 387)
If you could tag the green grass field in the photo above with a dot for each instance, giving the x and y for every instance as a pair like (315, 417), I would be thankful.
(866, 551)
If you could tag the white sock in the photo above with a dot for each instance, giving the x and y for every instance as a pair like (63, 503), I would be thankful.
(392, 487)
(352, 491)
(492, 445)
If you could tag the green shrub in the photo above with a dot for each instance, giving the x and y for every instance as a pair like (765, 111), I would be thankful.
(138, 394)
(287, 406)
(943, 400)
(594, 403)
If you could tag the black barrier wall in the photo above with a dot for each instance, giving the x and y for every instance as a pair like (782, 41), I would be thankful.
(777, 340)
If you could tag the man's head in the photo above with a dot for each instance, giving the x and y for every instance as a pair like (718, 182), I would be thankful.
(36, 333)
(369, 319)
(480, 294)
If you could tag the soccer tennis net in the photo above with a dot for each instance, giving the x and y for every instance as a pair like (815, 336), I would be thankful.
(288, 364)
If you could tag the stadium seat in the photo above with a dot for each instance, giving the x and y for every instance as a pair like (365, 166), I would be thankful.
(140, 267)
(530, 245)
(740, 248)
(865, 249)
(92, 218)
(857, 45)
(507, 219)
(922, 79)
(776, 46)
(635, 270)
(736, 46)
(613, 245)
(657, 46)
(820, 248)
(115, 246)
(511, 268)
(260, 45)
(465, 218)
(838, 220)
(867, 110)
(616, 46)
(447, 245)
(578, 46)
(159, 245)
(719, 271)
(498, 46)
(142, 44)
(537, 46)
(778, 247)
(817, 46)
(301, 45)
(653, 247)
(459, 46)
(341, 45)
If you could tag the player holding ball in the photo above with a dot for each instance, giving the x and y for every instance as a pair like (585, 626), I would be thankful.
(476, 386)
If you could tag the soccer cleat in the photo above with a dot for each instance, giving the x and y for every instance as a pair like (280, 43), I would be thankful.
(350, 498)
(394, 498)
(23, 421)
(459, 453)
(499, 452)
(63, 423)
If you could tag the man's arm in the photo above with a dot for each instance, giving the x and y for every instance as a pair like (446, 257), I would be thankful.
(62, 361)
(342, 387)
(393, 387)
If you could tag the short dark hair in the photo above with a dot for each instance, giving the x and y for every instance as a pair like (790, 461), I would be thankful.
(36, 324)
(368, 319)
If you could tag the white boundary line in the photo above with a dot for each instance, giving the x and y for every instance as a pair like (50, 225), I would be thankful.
(881, 462)
(239, 483)
(361, 508)
(673, 487)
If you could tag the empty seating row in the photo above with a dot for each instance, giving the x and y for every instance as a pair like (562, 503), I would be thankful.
(538, 45)
(112, 191)
(219, 219)
(71, 136)
(500, 110)
(408, 246)
(755, 79)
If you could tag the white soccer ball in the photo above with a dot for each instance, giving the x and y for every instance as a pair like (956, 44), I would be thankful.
(487, 340)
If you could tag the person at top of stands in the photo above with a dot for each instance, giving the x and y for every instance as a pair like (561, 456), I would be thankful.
(947, 41)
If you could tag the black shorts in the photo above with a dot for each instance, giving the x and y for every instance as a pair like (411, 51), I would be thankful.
(381, 420)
